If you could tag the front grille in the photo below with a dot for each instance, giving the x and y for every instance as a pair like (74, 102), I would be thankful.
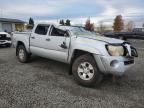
(129, 62)
(4, 37)
(8, 38)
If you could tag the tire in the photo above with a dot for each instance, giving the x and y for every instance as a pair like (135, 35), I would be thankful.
(22, 54)
(89, 78)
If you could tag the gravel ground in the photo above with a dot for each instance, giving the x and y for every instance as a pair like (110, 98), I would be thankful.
(43, 83)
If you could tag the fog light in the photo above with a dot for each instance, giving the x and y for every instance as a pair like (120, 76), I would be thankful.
(114, 63)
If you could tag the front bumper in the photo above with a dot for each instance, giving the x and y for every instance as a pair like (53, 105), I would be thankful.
(4, 42)
(116, 65)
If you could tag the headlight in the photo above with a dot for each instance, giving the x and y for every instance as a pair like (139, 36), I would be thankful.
(115, 50)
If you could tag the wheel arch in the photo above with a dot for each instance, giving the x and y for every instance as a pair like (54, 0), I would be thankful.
(77, 53)
(93, 80)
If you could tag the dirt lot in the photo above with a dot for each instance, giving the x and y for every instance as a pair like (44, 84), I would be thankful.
(43, 83)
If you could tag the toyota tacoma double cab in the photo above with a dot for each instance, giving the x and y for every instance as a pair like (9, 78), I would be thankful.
(89, 55)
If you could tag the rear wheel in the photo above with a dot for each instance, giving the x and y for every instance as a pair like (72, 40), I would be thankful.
(85, 71)
(22, 54)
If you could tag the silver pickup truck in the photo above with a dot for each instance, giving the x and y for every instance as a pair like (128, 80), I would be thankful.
(90, 55)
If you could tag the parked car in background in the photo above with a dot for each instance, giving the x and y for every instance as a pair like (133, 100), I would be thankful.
(138, 30)
(5, 39)
(137, 33)
(88, 54)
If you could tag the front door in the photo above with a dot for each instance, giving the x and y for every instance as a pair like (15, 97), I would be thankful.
(38, 43)
(58, 43)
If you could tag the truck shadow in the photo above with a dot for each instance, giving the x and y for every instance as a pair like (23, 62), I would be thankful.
(50, 65)
(59, 68)
(56, 71)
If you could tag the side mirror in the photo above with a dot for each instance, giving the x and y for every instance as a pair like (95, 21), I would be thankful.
(63, 45)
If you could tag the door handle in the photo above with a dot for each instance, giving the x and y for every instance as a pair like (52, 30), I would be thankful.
(33, 37)
(47, 39)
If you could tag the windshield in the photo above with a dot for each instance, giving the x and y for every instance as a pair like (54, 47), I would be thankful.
(81, 31)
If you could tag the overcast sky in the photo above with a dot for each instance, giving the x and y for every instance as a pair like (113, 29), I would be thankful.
(76, 10)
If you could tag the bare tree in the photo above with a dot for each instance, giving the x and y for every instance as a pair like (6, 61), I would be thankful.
(118, 23)
(143, 25)
(101, 27)
(89, 26)
(129, 26)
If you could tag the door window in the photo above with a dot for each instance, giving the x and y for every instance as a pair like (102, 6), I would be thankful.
(58, 32)
(42, 29)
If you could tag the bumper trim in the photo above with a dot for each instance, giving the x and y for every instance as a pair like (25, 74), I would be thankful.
(114, 64)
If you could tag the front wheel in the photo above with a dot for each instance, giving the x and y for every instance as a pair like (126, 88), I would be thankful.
(85, 71)
(22, 54)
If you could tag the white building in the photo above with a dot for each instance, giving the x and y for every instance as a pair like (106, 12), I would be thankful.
(10, 25)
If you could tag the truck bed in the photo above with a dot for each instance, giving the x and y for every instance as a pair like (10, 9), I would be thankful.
(21, 36)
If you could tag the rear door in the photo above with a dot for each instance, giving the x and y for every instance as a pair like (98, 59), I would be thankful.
(38, 40)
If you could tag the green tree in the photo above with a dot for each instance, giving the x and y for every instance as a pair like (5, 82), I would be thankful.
(129, 26)
(62, 22)
(68, 22)
(31, 24)
(118, 24)
(31, 21)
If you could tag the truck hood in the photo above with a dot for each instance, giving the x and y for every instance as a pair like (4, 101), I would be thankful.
(3, 33)
(102, 38)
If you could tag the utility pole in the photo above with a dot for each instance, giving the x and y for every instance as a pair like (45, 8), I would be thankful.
(1, 12)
